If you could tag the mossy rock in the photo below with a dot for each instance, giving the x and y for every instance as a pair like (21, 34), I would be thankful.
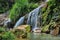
(24, 28)
(21, 31)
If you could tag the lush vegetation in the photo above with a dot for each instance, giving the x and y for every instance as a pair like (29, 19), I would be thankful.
(51, 13)
(6, 35)
(20, 8)
(5, 5)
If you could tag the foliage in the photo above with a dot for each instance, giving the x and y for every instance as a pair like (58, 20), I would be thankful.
(20, 8)
(5, 5)
(28, 28)
(51, 12)
(34, 1)
(32, 6)
(2, 29)
(8, 36)
(45, 15)
(18, 32)
(45, 28)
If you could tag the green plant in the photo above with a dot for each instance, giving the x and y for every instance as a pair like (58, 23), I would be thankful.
(19, 8)
(2, 29)
(5, 5)
(32, 6)
(50, 12)
(8, 36)
(28, 28)
(34, 1)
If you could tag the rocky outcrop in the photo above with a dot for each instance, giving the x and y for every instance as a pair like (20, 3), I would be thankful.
(21, 31)
(2, 18)
(23, 27)
(55, 31)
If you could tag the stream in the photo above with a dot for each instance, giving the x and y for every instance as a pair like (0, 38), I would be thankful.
(40, 36)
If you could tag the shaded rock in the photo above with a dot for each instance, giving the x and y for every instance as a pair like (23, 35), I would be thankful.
(8, 23)
(37, 30)
(3, 17)
(55, 31)
(24, 35)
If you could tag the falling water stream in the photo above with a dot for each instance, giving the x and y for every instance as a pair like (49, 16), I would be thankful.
(32, 18)
(19, 22)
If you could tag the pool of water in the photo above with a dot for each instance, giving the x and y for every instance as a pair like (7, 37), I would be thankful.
(39, 36)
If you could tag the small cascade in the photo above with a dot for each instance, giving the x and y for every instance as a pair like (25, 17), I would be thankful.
(46, 0)
(19, 22)
(33, 18)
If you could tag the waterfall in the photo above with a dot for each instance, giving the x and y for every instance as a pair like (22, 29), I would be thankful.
(46, 0)
(19, 22)
(33, 17)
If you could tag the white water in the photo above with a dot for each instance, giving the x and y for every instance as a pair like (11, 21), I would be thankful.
(46, 0)
(19, 22)
(33, 17)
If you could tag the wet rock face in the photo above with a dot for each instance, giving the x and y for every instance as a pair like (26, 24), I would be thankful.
(2, 18)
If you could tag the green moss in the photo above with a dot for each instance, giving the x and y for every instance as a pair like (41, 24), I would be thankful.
(28, 28)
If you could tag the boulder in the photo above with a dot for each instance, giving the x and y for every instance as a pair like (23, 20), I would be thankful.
(21, 31)
(55, 31)
(23, 27)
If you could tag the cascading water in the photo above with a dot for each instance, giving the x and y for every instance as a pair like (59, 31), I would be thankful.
(19, 22)
(33, 18)
(46, 0)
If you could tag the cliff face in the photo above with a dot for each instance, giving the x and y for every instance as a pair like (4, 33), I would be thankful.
(3, 17)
